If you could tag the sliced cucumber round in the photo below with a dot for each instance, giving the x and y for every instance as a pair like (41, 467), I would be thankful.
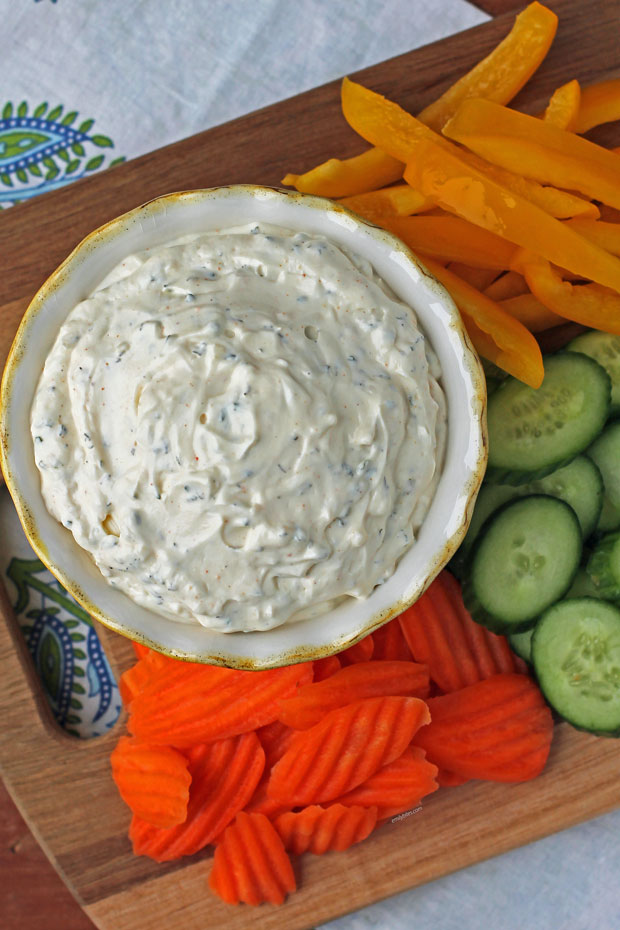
(524, 560)
(579, 484)
(609, 518)
(490, 498)
(521, 643)
(603, 568)
(533, 432)
(576, 655)
(582, 585)
(605, 349)
(605, 453)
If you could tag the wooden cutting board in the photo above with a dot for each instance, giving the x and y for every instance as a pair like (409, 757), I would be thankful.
(63, 786)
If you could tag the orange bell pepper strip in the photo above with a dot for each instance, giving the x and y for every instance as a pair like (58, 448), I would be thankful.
(536, 149)
(563, 108)
(480, 278)
(496, 335)
(502, 74)
(558, 203)
(509, 285)
(400, 200)
(528, 310)
(450, 238)
(460, 189)
(588, 304)
(561, 204)
(600, 103)
(384, 123)
(349, 176)
(609, 214)
(605, 235)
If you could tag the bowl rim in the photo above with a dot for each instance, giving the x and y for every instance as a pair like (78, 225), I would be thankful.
(70, 265)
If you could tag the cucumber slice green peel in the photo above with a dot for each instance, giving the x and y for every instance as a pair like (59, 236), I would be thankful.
(579, 484)
(521, 643)
(603, 567)
(533, 432)
(576, 654)
(605, 349)
(524, 560)
(605, 453)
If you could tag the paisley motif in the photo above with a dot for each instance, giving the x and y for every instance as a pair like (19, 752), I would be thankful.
(76, 677)
(46, 149)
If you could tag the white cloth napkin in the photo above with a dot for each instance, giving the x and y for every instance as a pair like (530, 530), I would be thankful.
(149, 72)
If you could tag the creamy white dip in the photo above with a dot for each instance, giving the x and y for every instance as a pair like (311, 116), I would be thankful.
(242, 428)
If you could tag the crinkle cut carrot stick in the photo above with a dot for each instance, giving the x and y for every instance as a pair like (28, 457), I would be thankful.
(353, 683)
(319, 830)
(396, 787)
(152, 780)
(250, 863)
(224, 778)
(441, 633)
(360, 652)
(390, 644)
(348, 746)
(199, 704)
(323, 668)
(499, 729)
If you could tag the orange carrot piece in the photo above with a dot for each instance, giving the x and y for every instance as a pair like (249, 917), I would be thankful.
(134, 680)
(441, 633)
(390, 643)
(262, 803)
(251, 864)
(447, 779)
(348, 746)
(499, 729)
(500, 656)
(199, 703)
(324, 668)
(353, 683)
(359, 652)
(224, 778)
(325, 829)
(396, 787)
(152, 780)
(140, 649)
(275, 738)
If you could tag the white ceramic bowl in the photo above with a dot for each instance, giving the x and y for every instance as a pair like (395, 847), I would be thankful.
(197, 211)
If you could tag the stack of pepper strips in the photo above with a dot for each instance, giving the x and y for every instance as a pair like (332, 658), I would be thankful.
(502, 207)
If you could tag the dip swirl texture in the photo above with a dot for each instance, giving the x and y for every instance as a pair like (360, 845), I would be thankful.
(242, 428)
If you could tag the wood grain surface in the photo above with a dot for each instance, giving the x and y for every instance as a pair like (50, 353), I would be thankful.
(62, 786)
(497, 7)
